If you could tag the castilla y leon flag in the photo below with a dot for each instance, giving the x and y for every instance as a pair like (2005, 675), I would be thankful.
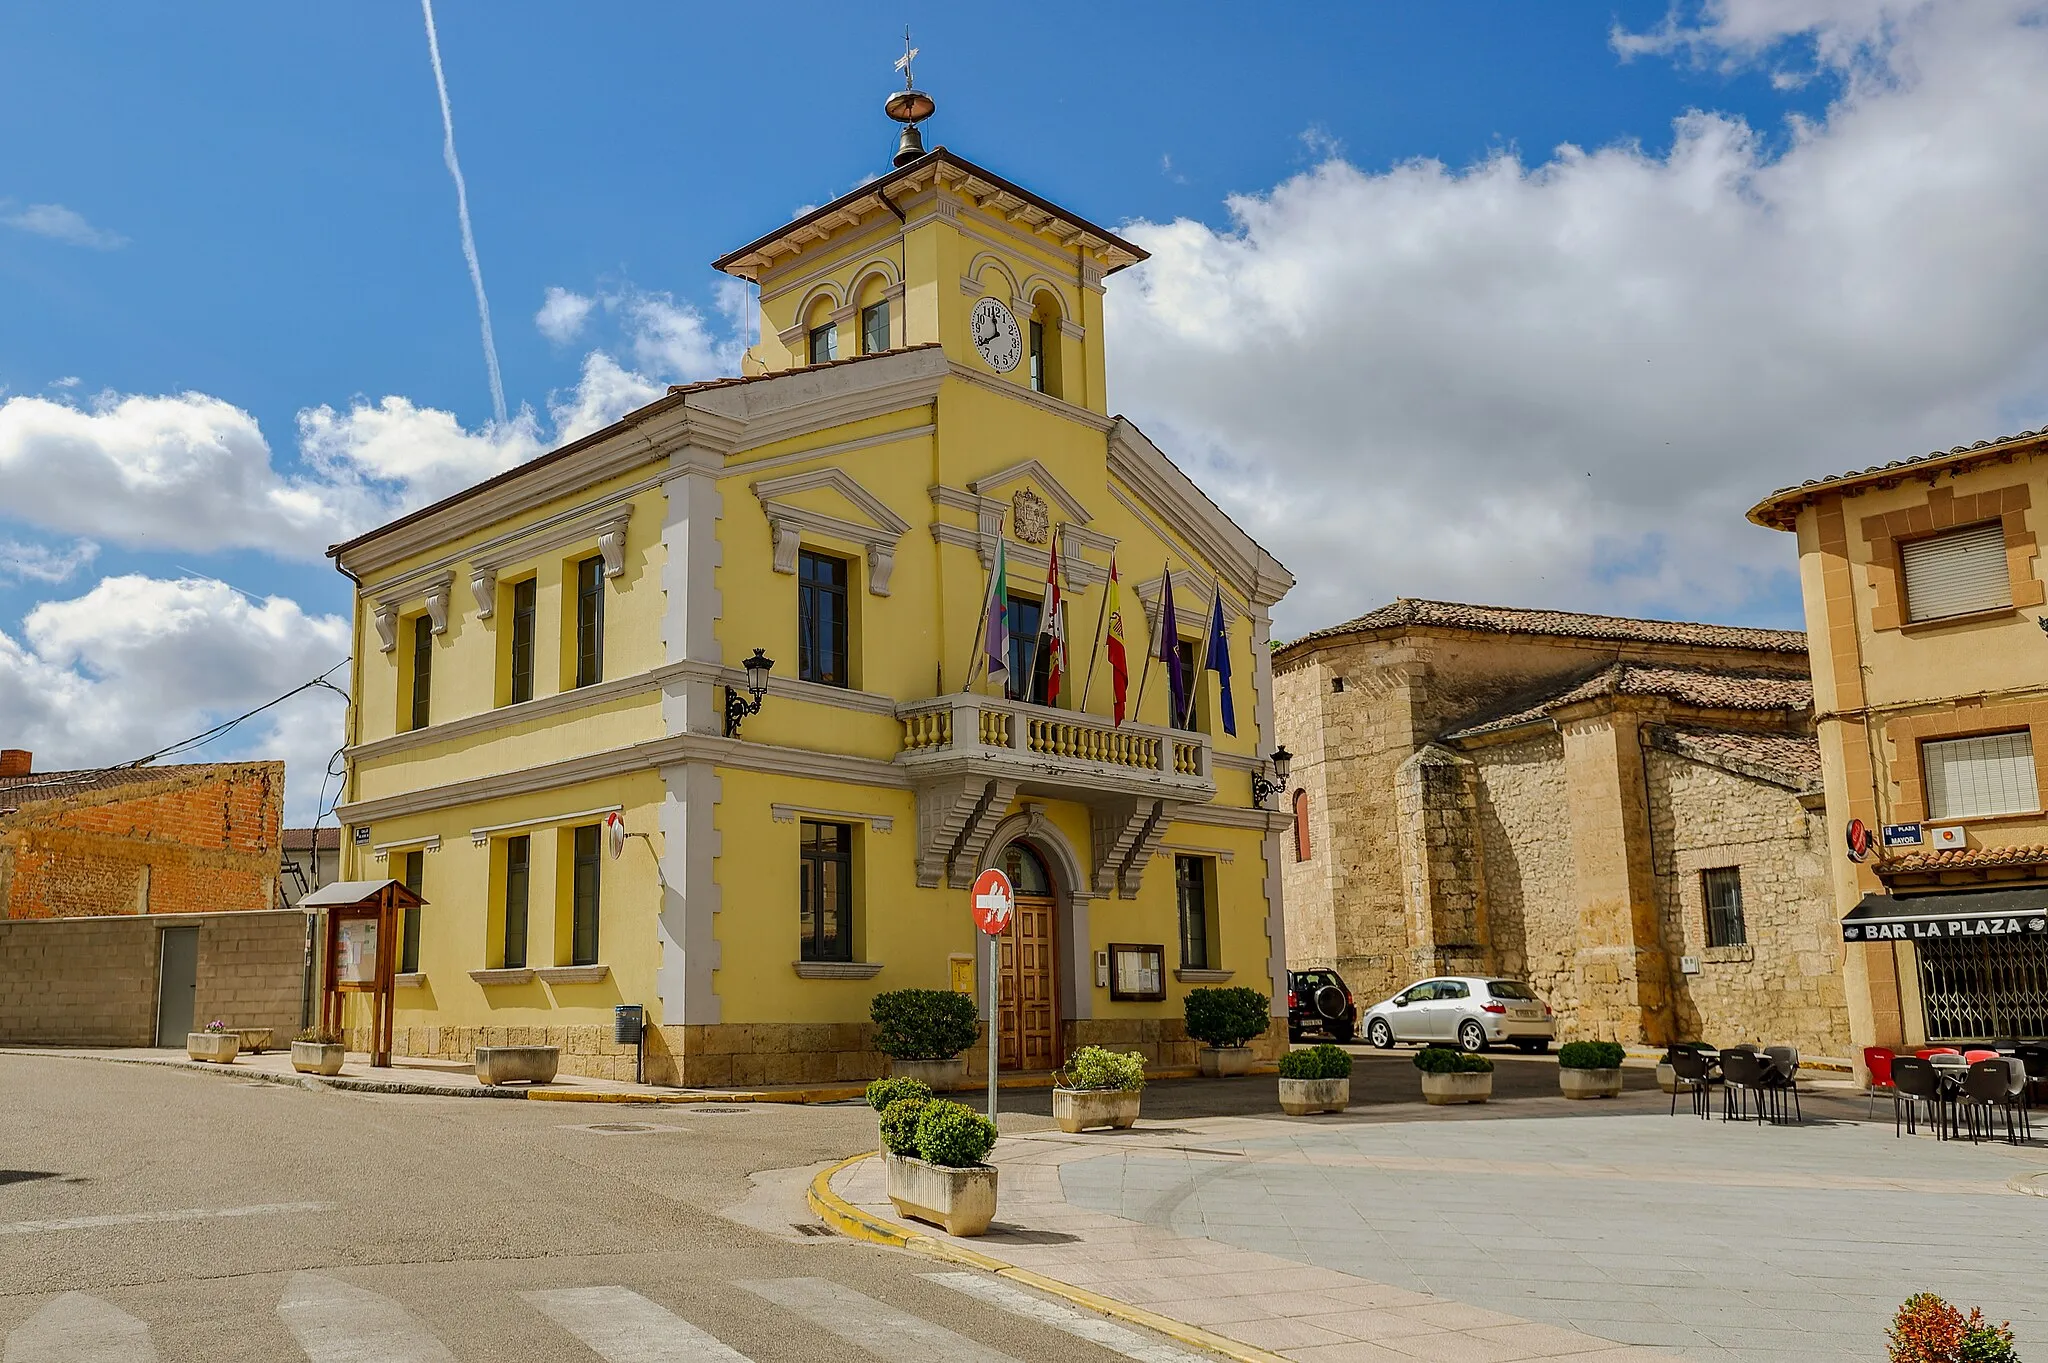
(1055, 627)
(1119, 666)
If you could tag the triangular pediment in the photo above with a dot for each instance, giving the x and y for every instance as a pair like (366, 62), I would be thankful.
(834, 494)
(1040, 478)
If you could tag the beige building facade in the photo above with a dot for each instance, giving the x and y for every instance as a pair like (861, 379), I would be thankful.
(1924, 598)
(1625, 813)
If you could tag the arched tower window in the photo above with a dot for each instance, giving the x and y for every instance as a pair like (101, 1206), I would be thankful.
(1301, 848)
(1044, 347)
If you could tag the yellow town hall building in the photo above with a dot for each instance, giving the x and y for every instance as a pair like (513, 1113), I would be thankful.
(552, 660)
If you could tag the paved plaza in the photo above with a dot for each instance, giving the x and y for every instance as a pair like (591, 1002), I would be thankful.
(1340, 1240)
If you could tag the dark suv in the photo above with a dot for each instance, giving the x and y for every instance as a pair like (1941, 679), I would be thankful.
(1319, 1000)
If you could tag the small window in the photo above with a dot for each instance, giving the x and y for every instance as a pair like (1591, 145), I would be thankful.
(590, 621)
(1301, 847)
(1721, 889)
(1029, 655)
(422, 670)
(1993, 774)
(1956, 573)
(1510, 989)
(825, 343)
(825, 915)
(1038, 357)
(874, 328)
(522, 641)
(821, 617)
(1189, 717)
(1191, 884)
(518, 865)
(409, 927)
(583, 904)
(1337, 685)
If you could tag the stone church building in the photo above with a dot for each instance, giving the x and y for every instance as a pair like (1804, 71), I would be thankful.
(1627, 814)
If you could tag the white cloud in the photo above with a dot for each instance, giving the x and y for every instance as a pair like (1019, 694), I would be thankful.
(1565, 382)
(605, 392)
(138, 663)
(22, 562)
(59, 223)
(562, 314)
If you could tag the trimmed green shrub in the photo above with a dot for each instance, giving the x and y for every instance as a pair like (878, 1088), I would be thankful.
(923, 1024)
(883, 1092)
(1590, 1055)
(953, 1135)
(899, 1124)
(1317, 1062)
(1444, 1060)
(1227, 1017)
(1097, 1070)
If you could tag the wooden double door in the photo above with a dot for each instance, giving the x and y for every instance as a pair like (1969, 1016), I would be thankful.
(1028, 1001)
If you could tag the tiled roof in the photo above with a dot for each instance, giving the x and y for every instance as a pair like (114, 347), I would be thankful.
(1779, 508)
(1698, 688)
(1791, 759)
(58, 785)
(735, 380)
(1966, 859)
(1409, 611)
(304, 839)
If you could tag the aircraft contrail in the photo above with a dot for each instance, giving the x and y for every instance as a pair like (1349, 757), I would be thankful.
(476, 270)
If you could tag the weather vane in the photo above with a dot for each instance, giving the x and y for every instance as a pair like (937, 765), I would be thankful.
(909, 55)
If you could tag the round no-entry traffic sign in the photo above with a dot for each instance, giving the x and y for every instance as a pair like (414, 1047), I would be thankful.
(993, 899)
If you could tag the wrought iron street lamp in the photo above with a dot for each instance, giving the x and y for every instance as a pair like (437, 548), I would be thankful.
(738, 708)
(1263, 789)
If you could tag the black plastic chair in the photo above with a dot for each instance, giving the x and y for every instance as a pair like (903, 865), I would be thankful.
(1690, 1070)
(1988, 1089)
(2018, 1093)
(1782, 1077)
(1743, 1082)
(1914, 1083)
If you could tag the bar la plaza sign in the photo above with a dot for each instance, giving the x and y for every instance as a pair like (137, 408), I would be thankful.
(1923, 929)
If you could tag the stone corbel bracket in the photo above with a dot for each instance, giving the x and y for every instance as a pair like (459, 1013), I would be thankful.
(435, 590)
(386, 620)
(1127, 834)
(955, 819)
(870, 522)
(607, 525)
(483, 587)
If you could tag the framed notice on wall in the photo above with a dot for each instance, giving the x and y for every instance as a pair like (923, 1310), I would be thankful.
(356, 956)
(1137, 974)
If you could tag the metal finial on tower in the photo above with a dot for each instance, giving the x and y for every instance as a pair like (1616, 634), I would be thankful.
(908, 106)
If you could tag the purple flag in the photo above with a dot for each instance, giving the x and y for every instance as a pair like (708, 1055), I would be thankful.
(1169, 650)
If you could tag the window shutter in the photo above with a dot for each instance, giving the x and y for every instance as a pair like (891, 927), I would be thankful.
(1956, 573)
(1989, 775)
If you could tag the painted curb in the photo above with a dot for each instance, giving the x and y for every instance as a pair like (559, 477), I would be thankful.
(850, 1221)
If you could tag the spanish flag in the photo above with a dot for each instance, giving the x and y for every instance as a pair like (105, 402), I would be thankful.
(1119, 669)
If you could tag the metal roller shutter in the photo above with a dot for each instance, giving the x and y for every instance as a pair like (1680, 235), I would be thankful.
(1956, 573)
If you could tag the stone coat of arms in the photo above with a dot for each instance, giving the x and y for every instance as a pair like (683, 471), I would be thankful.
(1029, 517)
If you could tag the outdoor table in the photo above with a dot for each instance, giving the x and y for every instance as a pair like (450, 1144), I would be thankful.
(1952, 1071)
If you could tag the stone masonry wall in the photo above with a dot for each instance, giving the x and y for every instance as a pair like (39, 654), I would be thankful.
(1785, 986)
(93, 981)
(1441, 860)
(197, 839)
(1525, 826)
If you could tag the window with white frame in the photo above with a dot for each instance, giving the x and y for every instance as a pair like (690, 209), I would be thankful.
(1956, 573)
(1992, 774)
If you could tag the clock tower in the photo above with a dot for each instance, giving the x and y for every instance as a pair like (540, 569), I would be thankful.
(942, 252)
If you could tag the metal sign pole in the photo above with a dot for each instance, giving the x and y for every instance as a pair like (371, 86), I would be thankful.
(994, 988)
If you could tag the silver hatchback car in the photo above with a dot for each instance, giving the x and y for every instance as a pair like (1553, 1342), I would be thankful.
(1467, 1011)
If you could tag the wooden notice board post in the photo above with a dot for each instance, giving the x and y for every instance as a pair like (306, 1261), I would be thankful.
(363, 930)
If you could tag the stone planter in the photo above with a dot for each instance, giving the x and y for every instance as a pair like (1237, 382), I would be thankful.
(1442, 1089)
(1082, 1109)
(312, 1057)
(1589, 1083)
(256, 1040)
(220, 1048)
(1667, 1078)
(517, 1064)
(963, 1201)
(1302, 1097)
(1216, 1062)
(940, 1074)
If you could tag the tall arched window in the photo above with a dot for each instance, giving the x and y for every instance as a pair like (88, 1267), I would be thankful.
(1301, 848)
(1044, 344)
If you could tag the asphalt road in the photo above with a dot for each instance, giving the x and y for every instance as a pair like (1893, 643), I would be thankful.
(164, 1214)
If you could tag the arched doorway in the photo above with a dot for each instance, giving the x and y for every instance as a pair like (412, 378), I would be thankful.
(1028, 1036)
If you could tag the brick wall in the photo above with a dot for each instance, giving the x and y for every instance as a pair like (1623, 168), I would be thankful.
(190, 839)
(93, 981)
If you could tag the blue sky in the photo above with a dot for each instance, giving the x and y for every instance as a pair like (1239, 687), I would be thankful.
(248, 202)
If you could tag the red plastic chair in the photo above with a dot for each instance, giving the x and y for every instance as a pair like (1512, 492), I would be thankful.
(1974, 1056)
(1878, 1060)
(1931, 1051)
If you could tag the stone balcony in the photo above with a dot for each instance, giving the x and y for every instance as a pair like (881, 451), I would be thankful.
(969, 757)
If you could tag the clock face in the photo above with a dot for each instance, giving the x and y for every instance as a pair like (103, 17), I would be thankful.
(997, 336)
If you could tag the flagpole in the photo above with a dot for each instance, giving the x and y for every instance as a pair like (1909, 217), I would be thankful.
(980, 628)
(1202, 658)
(1152, 630)
(1044, 613)
(1095, 646)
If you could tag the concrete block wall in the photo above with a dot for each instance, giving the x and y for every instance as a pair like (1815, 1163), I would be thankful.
(93, 981)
